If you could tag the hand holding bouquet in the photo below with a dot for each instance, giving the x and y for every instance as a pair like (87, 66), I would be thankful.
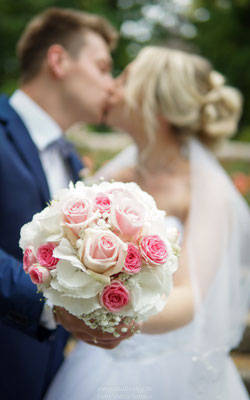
(103, 253)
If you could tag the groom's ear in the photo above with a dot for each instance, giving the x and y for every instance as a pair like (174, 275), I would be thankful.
(58, 61)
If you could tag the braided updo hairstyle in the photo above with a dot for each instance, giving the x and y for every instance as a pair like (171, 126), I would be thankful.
(186, 90)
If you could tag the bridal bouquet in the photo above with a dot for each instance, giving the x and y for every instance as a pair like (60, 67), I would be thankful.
(103, 253)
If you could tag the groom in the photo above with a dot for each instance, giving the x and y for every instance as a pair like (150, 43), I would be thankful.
(65, 64)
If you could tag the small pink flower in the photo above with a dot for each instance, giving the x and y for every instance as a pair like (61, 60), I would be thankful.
(102, 203)
(45, 256)
(133, 260)
(115, 296)
(39, 274)
(154, 250)
(29, 259)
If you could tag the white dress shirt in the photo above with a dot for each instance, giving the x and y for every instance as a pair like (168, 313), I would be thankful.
(43, 131)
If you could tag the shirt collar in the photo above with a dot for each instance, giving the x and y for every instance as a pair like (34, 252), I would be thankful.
(42, 128)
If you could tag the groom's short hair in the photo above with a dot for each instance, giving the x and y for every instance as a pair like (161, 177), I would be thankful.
(58, 26)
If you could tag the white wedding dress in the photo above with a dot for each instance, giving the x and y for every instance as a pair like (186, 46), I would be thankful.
(192, 362)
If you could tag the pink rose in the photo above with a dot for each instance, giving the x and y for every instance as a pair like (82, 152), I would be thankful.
(77, 213)
(154, 250)
(133, 260)
(39, 274)
(127, 215)
(45, 256)
(102, 203)
(103, 252)
(29, 258)
(115, 296)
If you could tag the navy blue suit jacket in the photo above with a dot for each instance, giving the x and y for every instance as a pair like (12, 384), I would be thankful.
(29, 354)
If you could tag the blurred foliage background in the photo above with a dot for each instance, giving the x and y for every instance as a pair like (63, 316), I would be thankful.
(218, 29)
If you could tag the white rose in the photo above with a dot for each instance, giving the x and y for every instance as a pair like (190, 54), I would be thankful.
(173, 235)
(150, 290)
(44, 227)
(76, 306)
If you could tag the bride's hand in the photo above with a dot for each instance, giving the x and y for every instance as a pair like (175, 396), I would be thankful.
(91, 336)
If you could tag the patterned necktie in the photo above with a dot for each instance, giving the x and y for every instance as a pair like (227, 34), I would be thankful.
(69, 155)
(65, 148)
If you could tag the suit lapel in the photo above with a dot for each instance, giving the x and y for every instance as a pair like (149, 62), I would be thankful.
(25, 146)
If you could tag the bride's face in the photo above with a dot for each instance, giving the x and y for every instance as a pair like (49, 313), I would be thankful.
(118, 114)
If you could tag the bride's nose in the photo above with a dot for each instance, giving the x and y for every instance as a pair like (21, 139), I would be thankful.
(121, 79)
(118, 82)
(117, 91)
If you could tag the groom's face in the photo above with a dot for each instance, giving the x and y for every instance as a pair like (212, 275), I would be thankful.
(88, 84)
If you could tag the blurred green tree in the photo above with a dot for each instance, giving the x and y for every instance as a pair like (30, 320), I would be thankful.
(224, 38)
(217, 29)
(14, 15)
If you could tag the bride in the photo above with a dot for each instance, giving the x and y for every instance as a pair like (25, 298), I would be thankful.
(175, 106)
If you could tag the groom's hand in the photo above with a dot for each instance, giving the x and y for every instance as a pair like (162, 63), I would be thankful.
(83, 332)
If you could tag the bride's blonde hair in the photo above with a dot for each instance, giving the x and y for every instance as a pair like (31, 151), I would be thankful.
(186, 90)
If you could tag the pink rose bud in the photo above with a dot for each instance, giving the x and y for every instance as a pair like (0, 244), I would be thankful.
(39, 274)
(154, 250)
(102, 203)
(29, 259)
(115, 296)
(45, 256)
(133, 260)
